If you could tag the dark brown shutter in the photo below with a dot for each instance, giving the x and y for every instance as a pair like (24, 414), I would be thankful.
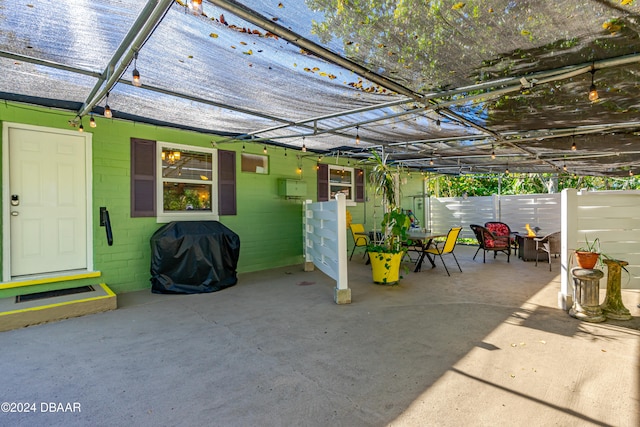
(323, 182)
(227, 182)
(143, 177)
(359, 185)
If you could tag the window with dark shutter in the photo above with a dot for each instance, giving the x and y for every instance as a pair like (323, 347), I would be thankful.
(143, 178)
(227, 182)
(323, 182)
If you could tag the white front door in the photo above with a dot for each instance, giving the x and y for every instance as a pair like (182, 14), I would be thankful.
(47, 201)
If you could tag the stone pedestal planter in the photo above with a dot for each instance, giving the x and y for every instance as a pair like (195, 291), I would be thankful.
(613, 307)
(586, 295)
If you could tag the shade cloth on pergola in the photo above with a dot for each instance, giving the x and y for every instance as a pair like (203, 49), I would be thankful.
(439, 85)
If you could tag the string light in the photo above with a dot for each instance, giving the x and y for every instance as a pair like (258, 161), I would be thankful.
(107, 110)
(574, 147)
(81, 128)
(431, 162)
(92, 121)
(264, 150)
(493, 153)
(304, 147)
(593, 93)
(196, 7)
(243, 147)
(136, 74)
(564, 166)
(630, 172)
(357, 135)
(438, 124)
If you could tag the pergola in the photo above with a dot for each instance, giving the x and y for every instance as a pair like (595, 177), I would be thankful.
(441, 86)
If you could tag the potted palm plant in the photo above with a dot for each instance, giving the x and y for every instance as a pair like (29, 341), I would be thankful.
(386, 255)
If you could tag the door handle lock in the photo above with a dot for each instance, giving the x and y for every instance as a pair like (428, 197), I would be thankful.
(15, 200)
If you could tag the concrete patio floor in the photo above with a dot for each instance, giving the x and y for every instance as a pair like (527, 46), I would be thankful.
(484, 347)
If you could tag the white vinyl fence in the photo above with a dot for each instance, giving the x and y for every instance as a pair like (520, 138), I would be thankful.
(537, 210)
(325, 242)
(611, 216)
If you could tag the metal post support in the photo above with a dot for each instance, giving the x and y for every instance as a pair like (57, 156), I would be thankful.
(586, 295)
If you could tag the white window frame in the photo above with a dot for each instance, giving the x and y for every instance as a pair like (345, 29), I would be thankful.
(350, 201)
(161, 215)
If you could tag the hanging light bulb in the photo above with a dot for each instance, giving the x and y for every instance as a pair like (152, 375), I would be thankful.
(264, 150)
(431, 162)
(493, 153)
(573, 145)
(357, 135)
(593, 93)
(630, 172)
(304, 147)
(564, 166)
(107, 110)
(438, 124)
(81, 128)
(506, 171)
(196, 7)
(136, 74)
(243, 147)
(92, 122)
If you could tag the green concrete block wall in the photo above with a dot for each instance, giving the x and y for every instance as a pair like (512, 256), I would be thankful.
(269, 225)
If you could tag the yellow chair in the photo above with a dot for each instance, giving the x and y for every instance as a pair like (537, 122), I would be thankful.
(360, 238)
(449, 246)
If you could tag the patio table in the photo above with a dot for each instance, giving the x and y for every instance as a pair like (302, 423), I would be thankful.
(423, 239)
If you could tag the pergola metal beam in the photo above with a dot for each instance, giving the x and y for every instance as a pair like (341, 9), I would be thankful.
(149, 18)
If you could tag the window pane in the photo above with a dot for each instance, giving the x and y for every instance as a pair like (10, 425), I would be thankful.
(183, 164)
(179, 196)
(335, 189)
(255, 163)
(340, 175)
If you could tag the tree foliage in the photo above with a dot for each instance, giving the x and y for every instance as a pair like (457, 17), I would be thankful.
(533, 183)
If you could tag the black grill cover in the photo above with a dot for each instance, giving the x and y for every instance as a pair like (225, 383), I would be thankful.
(189, 257)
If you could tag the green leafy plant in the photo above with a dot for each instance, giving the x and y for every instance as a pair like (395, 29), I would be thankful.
(590, 246)
(395, 223)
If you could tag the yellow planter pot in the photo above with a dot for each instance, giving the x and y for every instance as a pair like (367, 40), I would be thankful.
(385, 267)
